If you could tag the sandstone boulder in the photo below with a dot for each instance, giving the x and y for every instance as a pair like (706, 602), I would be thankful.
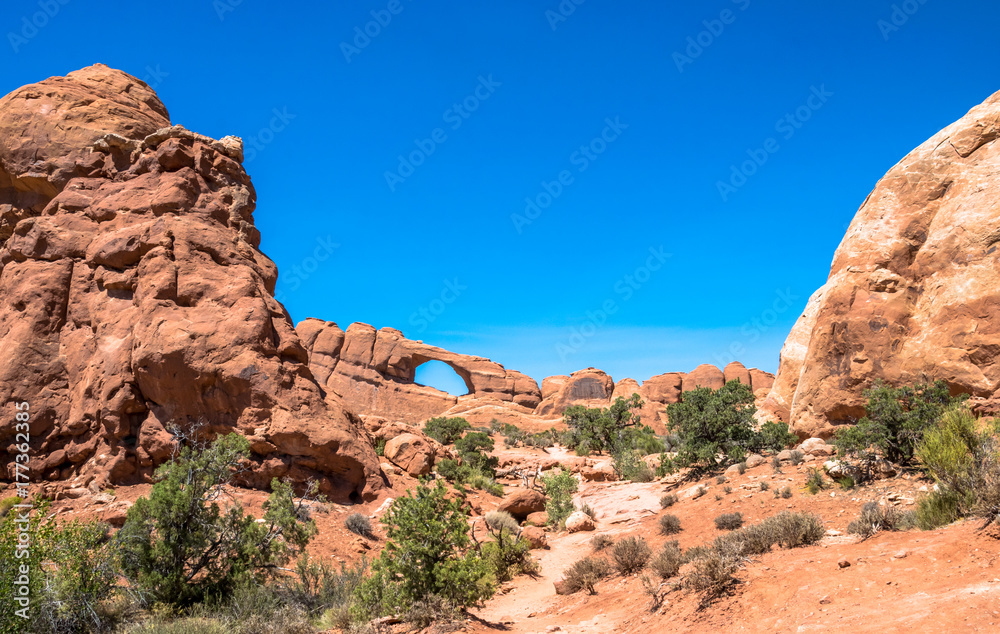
(755, 460)
(579, 521)
(411, 453)
(913, 288)
(535, 537)
(523, 502)
(598, 473)
(817, 447)
(539, 518)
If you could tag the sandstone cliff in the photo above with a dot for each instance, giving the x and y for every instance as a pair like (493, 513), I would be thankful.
(133, 297)
(913, 292)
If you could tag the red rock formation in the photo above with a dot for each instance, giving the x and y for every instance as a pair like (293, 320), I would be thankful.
(913, 292)
(133, 296)
(705, 375)
(373, 372)
(590, 387)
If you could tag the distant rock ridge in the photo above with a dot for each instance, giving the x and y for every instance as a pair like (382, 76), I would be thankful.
(372, 372)
(914, 289)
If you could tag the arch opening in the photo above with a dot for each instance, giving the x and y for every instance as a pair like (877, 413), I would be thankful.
(441, 376)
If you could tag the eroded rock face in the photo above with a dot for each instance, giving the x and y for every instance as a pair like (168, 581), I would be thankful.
(373, 371)
(913, 293)
(133, 297)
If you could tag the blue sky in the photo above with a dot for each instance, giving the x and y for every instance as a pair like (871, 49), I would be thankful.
(631, 140)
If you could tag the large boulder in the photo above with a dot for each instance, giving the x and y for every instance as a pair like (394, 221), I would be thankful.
(579, 521)
(523, 502)
(411, 453)
(134, 298)
(914, 288)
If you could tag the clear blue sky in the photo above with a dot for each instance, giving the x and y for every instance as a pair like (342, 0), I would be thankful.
(536, 88)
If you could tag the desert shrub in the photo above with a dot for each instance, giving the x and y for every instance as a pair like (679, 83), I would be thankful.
(797, 457)
(630, 554)
(728, 489)
(873, 519)
(380, 447)
(965, 462)
(590, 512)
(359, 524)
(178, 546)
(497, 521)
(772, 437)
(472, 448)
(815, 482)
(721, 479)
(485, 483)
(764, 486)
(8, 503)
(718, 498)
(729, 521)
(670, 524)
(509, 558)
(508, 555)
(667, 561)
(462, 474)
(617, 431)
(896, 420)
(585, 573)
(715, 427)
(71, 573)
(667, 466)
(791, 530)
(846, 482)
(786, 492)
(559, 490)
(776, 464)
(321, 589)
(430, 610)
(446, 430)
(938, 509)
(668, 500)
(603, 429)
(600, 542)
(742, 467)
(427, 554)
(711, 574)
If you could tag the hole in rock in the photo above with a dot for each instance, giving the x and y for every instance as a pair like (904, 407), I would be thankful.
(441, 376)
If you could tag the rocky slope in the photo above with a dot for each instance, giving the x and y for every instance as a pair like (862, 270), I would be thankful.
(913, 292)
(133, 297)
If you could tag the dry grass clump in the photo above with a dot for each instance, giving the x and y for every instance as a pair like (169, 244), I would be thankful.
(600, 542)
(630, 555)
(729, 521)
(668, 500)
(667, 562)
(875, 518)
(584, 574)
(360, 525)
(670, 524)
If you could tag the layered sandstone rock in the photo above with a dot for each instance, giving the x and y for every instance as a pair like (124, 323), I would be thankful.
(133, 297)
(914, 289)
(373, 372)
